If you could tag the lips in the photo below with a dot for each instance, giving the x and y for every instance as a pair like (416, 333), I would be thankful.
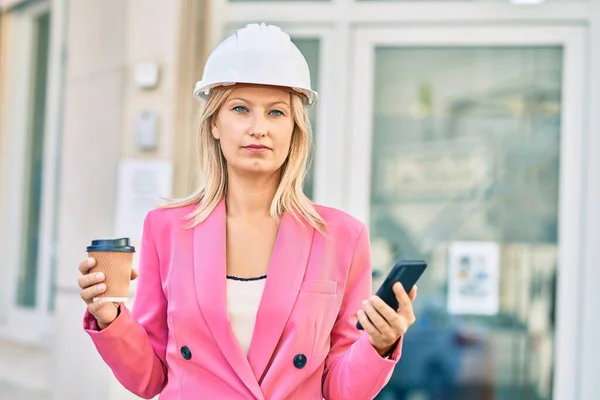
(256, 147)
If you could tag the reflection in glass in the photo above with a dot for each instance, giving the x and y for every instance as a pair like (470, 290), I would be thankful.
(309, 47)
(466, 145)
(278, 1)
(28, 273)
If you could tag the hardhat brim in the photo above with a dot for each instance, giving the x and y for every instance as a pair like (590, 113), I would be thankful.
(202, 90)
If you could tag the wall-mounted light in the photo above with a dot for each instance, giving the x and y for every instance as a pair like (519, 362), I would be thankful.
(146, 128)
(146, 75)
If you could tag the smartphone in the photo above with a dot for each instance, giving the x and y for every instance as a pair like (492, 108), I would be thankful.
(407, 272)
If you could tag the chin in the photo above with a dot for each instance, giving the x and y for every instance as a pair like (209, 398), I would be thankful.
(257, 168)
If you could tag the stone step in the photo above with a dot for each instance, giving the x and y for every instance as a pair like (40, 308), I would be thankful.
(25, 371)
(9, 391)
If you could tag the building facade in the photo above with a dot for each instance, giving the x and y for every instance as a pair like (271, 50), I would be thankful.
(464, 133)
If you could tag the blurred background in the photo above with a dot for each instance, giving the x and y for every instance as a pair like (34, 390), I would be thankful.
(463, 132)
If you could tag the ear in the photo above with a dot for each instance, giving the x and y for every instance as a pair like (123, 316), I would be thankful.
(214, 129)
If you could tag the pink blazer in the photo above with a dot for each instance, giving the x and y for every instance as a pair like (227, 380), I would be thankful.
(178, 341)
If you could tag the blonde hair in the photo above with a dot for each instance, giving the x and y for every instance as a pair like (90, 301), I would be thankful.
(289, 196)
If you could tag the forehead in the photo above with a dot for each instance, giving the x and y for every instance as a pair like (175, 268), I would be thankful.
(261, 94)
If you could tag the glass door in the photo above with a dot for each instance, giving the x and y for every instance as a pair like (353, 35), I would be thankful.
(466, 153)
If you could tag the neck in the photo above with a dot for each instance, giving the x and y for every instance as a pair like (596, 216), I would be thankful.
(250, 196)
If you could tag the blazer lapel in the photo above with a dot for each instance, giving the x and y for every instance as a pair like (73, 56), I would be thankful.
(210, 279)
(284, 279)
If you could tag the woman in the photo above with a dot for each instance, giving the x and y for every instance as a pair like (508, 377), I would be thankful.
(246, 289)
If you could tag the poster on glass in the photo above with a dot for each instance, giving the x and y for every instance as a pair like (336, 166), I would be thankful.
(473, 281)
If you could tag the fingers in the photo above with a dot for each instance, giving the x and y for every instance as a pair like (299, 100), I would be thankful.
(90, 283)
(405, 307)
(134, 274)
(403, 299)
(95, 307)
(367, 324)
(384, 324)
(88, 280)
(413, 293)
(387, 313)
(86, 264)
(376, 318)
(89, 293)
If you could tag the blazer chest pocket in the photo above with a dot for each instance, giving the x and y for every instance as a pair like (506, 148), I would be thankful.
(322, 287)
(316, 310)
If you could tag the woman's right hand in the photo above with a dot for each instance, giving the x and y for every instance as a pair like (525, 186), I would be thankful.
(93, 285)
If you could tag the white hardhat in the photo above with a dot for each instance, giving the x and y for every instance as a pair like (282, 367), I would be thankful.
(257, 54)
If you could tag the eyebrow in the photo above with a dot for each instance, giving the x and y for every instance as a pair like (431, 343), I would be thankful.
(269, 104)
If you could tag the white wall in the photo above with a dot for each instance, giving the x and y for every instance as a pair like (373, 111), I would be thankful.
(589, 346)
(5, 40)
(91, 148)
(152, 36)
(107, 38)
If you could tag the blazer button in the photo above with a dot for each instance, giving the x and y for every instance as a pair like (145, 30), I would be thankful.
(300, 361)
(186, 352)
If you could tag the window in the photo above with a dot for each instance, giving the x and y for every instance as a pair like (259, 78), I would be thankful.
(28, 272)
(31, 130)
(310, 48)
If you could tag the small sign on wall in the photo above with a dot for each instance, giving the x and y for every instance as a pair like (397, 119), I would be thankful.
(142, 184)
(473, 278)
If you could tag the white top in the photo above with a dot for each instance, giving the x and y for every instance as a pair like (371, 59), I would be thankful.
(243, 299)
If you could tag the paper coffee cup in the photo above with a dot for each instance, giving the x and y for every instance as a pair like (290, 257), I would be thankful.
(114, 258)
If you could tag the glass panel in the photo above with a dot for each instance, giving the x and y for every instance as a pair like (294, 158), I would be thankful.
(278, 1)
(469, 1)
(28, 273)
(310, 48)
(465, 174)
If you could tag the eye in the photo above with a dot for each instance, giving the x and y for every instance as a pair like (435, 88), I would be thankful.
(239, 109)
(276, 113)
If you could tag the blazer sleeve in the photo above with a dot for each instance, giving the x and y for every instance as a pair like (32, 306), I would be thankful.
(353, 368)
(134, 344)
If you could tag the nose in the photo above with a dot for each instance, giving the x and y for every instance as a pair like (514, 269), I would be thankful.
(259, 127)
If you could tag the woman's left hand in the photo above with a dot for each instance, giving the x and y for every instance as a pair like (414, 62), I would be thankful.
(384, 324)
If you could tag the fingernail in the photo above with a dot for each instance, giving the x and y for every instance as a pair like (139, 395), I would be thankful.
(102, 287)
(99, 275)
(365, 303)
(90, 262)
